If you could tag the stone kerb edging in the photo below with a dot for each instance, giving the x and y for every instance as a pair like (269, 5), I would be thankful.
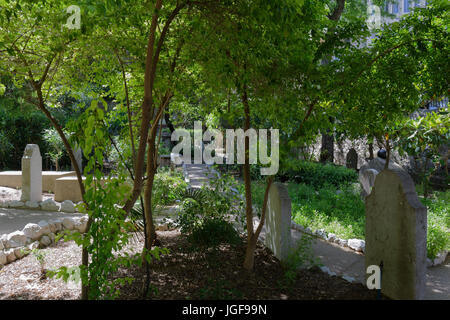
(46, 205)
(16, 245)
(357, 245)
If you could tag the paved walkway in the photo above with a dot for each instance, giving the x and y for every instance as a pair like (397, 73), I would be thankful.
(346, 262)
(340, 260)
(197, 174)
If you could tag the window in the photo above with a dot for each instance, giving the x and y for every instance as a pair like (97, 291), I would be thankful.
(395, 8)
(405, 5)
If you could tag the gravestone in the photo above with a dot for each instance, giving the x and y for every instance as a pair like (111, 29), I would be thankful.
(351, 159)
(396, 233)
(278, 221)
(78, 154)
(31, 174)
(369, 171)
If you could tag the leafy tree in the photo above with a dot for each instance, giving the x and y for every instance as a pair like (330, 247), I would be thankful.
(57, 147)
(422, 139)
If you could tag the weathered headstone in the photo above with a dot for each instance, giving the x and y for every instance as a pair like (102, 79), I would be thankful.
(396, 233)
(278, 221)
(352, 159)
(368, 172)
(78, 154)
(31, 174)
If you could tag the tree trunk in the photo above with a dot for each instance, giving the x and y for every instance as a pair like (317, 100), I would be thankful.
(249, 259)
(371, 156)
(151, 170)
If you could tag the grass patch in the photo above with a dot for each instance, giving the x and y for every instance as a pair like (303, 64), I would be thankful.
(341, 211)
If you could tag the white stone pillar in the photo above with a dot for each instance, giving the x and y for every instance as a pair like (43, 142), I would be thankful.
(31, 174)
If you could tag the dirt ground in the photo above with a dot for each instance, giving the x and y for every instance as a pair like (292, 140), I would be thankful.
(184, 273)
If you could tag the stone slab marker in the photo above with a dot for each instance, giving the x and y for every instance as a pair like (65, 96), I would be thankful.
(396, 234)
(278, 221)
(352, 159)
(78, 154)
(31, 174)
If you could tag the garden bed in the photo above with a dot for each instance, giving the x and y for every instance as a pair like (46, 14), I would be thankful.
(185, 273)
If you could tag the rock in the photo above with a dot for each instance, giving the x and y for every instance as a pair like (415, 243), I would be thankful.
(19, 252)
(331, 237)
(49, 205)
(67, 206)
(34, 245)
(342, 242)
(321, 233)
(325, 269)
(3, 240)
(68, 223)
(26, 278)
(57, 223)
(45, 241)
(32, 204)
(440, 258)
(52, 236)
(1, 245)
(32, 231)
(308, 230)
(429, 263)
(3, 258)
(296, 226)
(349, 279)
(15, 204)
(163, 227)
(357, 244)
(45, 226)
(16, 239)
(10, 256)
(52, 227)
(80, 224)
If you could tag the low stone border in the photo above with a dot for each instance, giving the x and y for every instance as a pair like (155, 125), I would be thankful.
(46, 205)
(357, 245)
(18, 244)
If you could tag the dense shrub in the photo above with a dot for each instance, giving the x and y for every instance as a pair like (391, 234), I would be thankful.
(205, 214)
(168, 186)
(438, 216)
(316, 174)
(213, 232)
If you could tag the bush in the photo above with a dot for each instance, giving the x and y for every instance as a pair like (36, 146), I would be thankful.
(200, 205)
(213, 232)
(438, 215)
(168, 186)
(317, 174)
(205, 213)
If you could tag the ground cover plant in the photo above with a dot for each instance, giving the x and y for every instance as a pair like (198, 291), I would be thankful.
(341, 211)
